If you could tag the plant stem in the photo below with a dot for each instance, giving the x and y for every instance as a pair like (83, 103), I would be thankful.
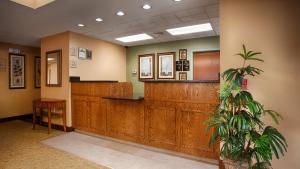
(248, 146)
(244, 63)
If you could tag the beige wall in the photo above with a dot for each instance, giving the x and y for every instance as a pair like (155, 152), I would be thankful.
(268, 26)
(16, 102)
(108, 62)
(57, 42)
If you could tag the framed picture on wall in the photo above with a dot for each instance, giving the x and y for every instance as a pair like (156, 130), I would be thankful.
(146, 66)
(182, 54)
(37, 72)
(186, 65)
(16, 71)
(182, 76)
(166, 65)
(84, 54)
(179, 65)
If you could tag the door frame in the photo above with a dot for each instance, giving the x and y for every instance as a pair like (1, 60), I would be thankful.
(206, 51)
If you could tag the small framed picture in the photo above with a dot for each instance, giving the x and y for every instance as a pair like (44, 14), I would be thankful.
(186, 65)
(16, 71)
(37, 72)
(179, 65)
(84, 54)
(73, 51)
(146, 66)
(182, 76)
(166, 65)
(73, 63)
(182, 54)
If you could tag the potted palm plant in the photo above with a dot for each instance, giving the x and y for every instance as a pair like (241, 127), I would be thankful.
(246, 141)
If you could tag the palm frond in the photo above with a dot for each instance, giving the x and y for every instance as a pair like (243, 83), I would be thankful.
(277, 141)
(275, 115)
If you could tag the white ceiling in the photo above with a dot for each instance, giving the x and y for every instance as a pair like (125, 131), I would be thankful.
(25, 26)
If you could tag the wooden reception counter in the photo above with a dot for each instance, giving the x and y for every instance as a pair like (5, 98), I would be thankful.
(169, 116)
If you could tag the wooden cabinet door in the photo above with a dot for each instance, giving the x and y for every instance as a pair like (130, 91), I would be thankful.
(194, 138)
(97, 115)
(162, 125)
(80, 112)
(126, 120)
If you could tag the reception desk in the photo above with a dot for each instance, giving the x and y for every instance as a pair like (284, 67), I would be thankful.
(169, 116)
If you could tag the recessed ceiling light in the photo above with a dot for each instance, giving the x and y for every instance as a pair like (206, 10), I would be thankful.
(80, 25)
(190, 29)
(177, 0)
(120, 13)
(134, 38)
(33, 3)
(147, 6)
(99, 19)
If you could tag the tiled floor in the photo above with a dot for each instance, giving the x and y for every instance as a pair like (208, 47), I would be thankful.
(120, 156)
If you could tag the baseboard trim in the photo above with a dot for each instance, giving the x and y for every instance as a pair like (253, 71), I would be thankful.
(58, 127)
(28, 117)
(20, 117)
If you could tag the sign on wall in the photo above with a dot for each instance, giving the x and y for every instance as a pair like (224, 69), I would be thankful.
(179, 65)
(186, 65)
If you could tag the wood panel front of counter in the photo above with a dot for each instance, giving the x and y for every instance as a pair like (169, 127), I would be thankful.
(171, 115)
(176, 112)
(89, 109)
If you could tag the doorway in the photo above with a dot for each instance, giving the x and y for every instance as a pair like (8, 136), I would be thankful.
(206, 65)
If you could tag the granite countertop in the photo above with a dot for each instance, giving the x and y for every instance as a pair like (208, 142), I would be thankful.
(181, 81)
(95, 81)
(77, 80)
(133, 98)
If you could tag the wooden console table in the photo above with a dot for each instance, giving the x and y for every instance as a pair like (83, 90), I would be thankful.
(52, 105)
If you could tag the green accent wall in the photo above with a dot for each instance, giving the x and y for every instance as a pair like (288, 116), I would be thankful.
(192, 45)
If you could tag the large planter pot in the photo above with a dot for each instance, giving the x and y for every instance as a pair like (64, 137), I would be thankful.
(230, 164)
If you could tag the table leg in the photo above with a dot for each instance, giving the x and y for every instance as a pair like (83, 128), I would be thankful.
(41, 117)
(64, 118)
(49, 120)
(33, 117)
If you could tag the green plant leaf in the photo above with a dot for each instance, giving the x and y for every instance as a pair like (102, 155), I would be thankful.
(242, 55)
(244, 50)
(262, 147)
(257, 59)
(275, 116)
(277, 141)
(251, 54)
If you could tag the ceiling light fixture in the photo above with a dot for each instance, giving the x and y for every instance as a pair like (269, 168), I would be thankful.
(134, 38)
(80, 25)
(190, 29)
(34, 4)
(120, 13)
(147, 6)
(99, 19)
(177, 0)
